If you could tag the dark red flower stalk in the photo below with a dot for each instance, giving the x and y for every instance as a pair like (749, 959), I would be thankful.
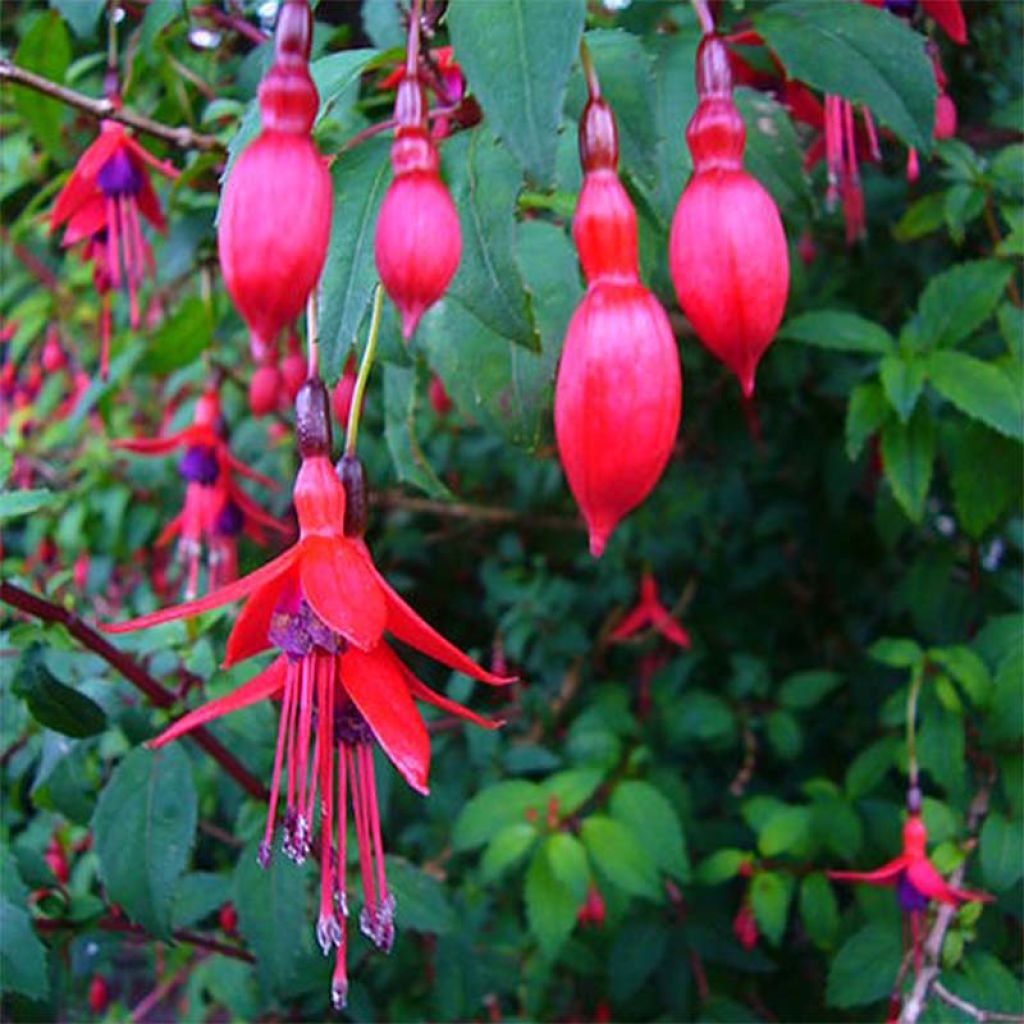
(102, 205)
(326, 608)
(651, 613)
(727, 250)
(915, 878)
(216, 509)
(618, 394)
(418, 241)
(275, 213)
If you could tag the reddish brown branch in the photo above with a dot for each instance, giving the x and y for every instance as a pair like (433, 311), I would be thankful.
(47, 611)
(183, 137)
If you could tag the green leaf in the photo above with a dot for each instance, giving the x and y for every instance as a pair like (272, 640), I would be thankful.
(786, 830)
(420, 899)
(179, 339)
(864, 969)
(870, 766)
(979, 390)
(784, 733)
(550, 905)
(382, 22)
(840, 331)
(22, 955)
(862, 54)
(410, 463)
(620, 855)
(897, 652)
(144, 827)
(337, 77)
(197, 896)
(45, 49)
(568, 862)
(967, 669)
(360, 178)
(908, 451)
(1002, 852)
(721, 865)
(155, 19)
(505, 803)
(273, 914)
(1011, 327)
(985, 472)
(956, 303)
(645, 812)
(516, 55)
(770, 894)
(703, 716)
(867, 412)
(902, 381)
(53, 704)
(636, 953)
(81, 15)
(507, 847)
(23, 503)
(921, 218)
(484, 180)
(571, 789)
(807, 689)
(819, 909)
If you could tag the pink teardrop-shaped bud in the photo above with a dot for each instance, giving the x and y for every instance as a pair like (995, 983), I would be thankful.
(617, 402)
(264, 390)
(293, 368)
(418, 242)
(727, 251)
(275, 212)
(945, 116)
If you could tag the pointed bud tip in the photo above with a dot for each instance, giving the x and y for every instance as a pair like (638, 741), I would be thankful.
(598, 541)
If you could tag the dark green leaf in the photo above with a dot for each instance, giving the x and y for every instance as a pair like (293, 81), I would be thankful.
(634, 956)
(786, 830)
(155, 19)
(420, 900)
(620, 855)
(784, 734)
(838, 330)
(896, 652)
(645, 812)
(22, 955)
(865, 967)
(721, 865)
(550, 905)
(819, 909)
(862, 54)
(807, 689)
(921, 218)
(867, 412)
(382, 22)
(505, 803)
(902, 381)
(908, 451)
(516, 55)
(979, 390)
(1002, 852)
(985, 471)
(770, 894)
(45, 49)
(956, 303)
(53, 704)
(360, 178)
(179, 339)
(198, 895)
(400, 402)
(81, 15)
(144, 827)
(870, 766)
(967, 669)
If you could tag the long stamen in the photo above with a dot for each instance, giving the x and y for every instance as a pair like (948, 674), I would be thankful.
(363, 841)
(132, 272)
(113, 243)
(869, 127)
(384, 928)
(302, 825)
(275, 782)
(293, 728)
(342, 865)
(328, 930)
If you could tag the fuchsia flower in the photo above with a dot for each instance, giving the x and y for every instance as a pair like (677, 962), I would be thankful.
(651, 613)
(101, 205)
(216, 509)
(914, 876)
(326, 608)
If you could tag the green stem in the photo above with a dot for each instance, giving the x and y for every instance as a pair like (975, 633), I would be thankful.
(915, 689)
(356, 409)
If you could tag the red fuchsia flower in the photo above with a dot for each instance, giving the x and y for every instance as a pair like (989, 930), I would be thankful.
(651, 613)
(101, 204)
(618, 393)
(915, 878)
(275, 213)
(727, 249)
(326, 608)
(216, 509)
(418, 242)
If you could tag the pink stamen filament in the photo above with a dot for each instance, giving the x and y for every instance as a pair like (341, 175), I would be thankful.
(378, 842)
(362, 832)
(275, 783)
(113, 243)
(342, 836)
(305, 721)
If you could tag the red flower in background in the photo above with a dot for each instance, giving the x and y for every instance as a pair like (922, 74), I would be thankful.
(326, 608)
(216, 509)
(102, 204)
(651, 613)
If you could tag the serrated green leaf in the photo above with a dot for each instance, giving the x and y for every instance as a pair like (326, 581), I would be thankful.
(786, 830)
(568, 862)
(721, 865)
(1002, 852)
(956, 303)
(902, 380)
(840, 331)
(52, 703)
(516, 55)
(862, 54)
(492, 809)
(571, 789)
(400, 403)
(645, 812)
(921, 218)
(896, 652)
(550, 906)
(507, 847)
(81, 15)
(22, 955)
(864, 969)
(985, 471)
(620, 856)
(819, 909)
(967, 669)
(908, 452)
(870, 766)
(770, 894)
(144, 827)
(420, 899)
(979, 390)
(865, 415)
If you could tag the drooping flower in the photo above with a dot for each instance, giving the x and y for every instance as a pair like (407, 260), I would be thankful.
(275, 213)
(102, 204)
(916, 880)
(727, 250)
(618, 393)
(216, 509)
(651, 613)
(326, 608)
(418, 242)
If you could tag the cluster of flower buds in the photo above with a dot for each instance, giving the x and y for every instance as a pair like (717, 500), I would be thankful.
(275, 214)
(618, 394)
(276, 380)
